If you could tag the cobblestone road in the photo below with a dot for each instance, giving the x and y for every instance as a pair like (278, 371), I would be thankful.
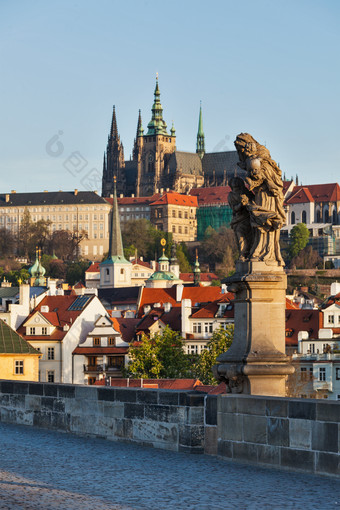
(49, 470)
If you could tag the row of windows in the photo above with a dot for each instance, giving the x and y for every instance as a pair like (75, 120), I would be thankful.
(307, 374)
(38, 331)
(12, 210)
(97, 341)
(181, 230)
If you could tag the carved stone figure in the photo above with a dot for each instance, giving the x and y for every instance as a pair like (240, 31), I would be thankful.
(265, 201)
(238, 200)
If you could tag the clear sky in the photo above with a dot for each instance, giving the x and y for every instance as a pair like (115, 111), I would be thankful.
(267, 67)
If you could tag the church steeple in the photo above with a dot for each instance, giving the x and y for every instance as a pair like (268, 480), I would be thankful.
(114, 160)
(197, 271)
(115, 271)
(115, 244)
(137, 142)
(157, 125)
(114, 129)
(200, 146)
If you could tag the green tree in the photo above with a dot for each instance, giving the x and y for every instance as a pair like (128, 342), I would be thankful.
(306, 259)
(8, 243)
(220, 342)
(76, 272)
(219, 248)
(159, 357)
(299, 236)
(182, 257)
(25, 233)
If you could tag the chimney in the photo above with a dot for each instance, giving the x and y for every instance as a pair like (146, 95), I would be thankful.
(111, 196)
(179, 292)
(13, 191)
(132, 195)
(45, 191)
(75, 192)
(186, 311)
(120, 196)
(24, 296)
(7, 197)
(167, 307)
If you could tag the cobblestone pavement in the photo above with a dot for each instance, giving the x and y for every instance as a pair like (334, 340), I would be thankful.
(41, 469)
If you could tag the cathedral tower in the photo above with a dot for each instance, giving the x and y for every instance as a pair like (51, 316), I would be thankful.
(156, 145)
(114, 164)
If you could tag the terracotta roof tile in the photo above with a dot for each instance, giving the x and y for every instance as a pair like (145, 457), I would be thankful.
(215, 195)
(174, 198)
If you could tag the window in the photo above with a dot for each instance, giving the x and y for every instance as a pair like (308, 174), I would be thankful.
(337, 374)
(174, 214)
(303, 373)
(173, 229)
(292, 218)
(330, 319)
(197, 327)
(179, 229)
(50, 375)
(311, 348)
(322, 374)
(111, 340)
(96, 341)
(32, 331)
(50, 353)
(19, 367)
(304, 217)
(193, 349)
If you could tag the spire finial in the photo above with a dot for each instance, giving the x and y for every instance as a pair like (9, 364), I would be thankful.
(200, 145)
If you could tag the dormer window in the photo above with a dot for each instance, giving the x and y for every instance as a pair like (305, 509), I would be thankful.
(32, 331)
(96, 341)
(112, 340)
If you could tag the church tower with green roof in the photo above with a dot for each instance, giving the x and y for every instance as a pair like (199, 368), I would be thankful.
(200, 145)
(115, 271)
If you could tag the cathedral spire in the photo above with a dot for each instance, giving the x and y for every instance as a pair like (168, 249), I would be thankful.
(200, 146)
(157, 125)
(115, 244)
(114, 128)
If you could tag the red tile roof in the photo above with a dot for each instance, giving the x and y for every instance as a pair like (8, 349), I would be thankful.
(100, 350)
(134, 200)
(126, 327)
(205, 277)
(209, 310)
(174, 198)
(215, 195)
(329, 192)
(94, 268)
(201, 295)
(302, 320)
(58, 315)
(290, 305)
(300, 195)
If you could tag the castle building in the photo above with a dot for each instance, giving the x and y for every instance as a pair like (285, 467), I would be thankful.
(75, 211)
(157, 164)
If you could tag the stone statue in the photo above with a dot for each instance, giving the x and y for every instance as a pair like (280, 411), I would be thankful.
(261, 201)
(239, 198)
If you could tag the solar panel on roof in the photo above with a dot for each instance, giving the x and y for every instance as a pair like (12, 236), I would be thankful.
(79, 303)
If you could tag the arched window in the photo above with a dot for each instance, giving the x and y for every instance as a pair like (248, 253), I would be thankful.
(293, 218)
(318, 216)
(334, 217)
(304, 217)
(326, 215)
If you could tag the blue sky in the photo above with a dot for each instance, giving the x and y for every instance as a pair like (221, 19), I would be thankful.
(270, 68)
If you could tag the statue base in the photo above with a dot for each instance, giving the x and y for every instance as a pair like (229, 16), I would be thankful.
(256, 363)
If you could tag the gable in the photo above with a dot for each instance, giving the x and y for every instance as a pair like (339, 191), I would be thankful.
(38, 319)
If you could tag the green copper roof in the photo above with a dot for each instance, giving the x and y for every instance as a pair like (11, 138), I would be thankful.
(163, 275)
(115, 259)
(12, 343)
(157, 125)
(200, 145)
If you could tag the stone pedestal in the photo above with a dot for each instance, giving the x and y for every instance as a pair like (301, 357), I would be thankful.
(256, 363)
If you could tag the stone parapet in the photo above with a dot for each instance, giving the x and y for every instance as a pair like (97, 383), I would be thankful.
(286, 433)
(171, 420)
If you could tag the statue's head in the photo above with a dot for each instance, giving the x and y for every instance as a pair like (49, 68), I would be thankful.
(245, 144)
